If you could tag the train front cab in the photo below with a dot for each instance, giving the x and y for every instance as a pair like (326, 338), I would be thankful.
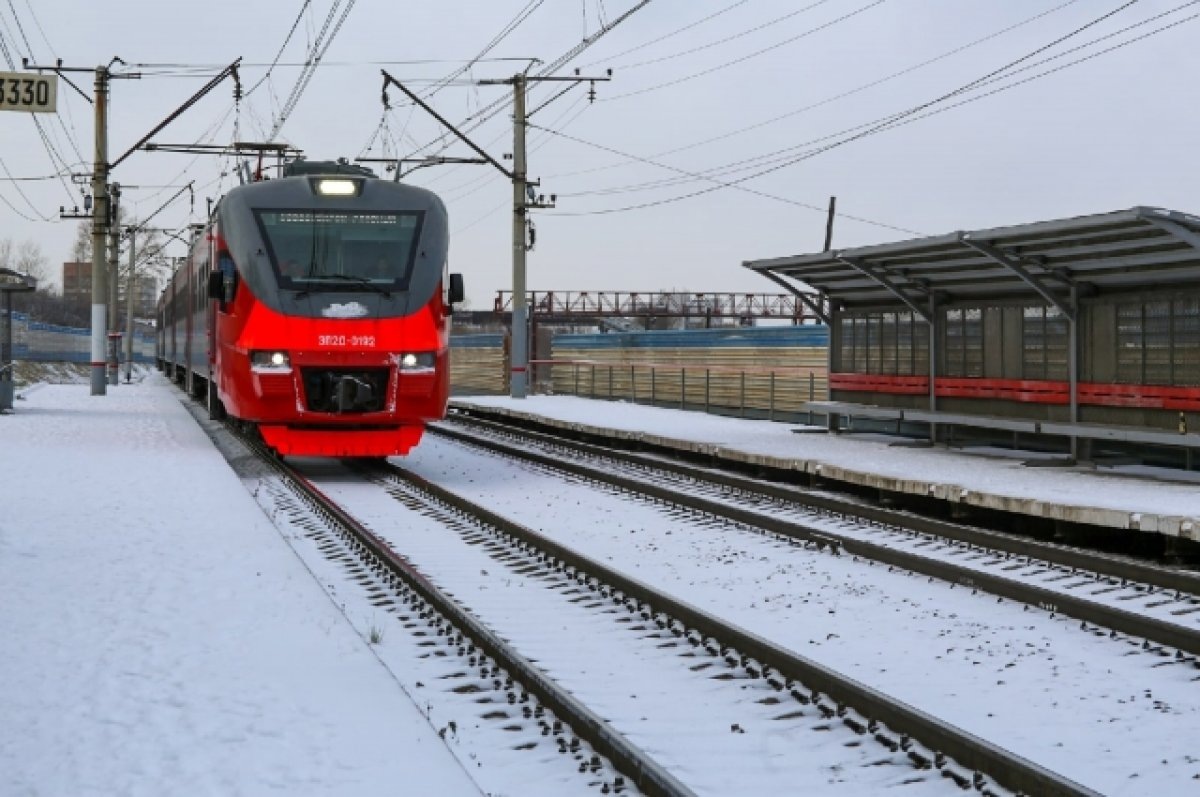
(345, 375)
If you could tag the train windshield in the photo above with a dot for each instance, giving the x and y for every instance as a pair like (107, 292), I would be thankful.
(330, 250)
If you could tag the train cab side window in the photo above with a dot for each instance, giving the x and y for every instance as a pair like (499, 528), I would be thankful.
(229, 278)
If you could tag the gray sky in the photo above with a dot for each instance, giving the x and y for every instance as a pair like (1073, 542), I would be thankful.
(1114, 131)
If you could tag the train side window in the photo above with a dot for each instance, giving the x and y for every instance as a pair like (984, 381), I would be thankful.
(229, 278)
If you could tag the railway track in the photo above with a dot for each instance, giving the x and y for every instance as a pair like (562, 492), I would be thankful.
(1147, 605)
(700, 682)
(505, 685)
(791, 690)
(879, 732)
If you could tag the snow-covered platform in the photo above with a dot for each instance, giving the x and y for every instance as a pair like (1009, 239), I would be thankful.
(995, 481)
(159, 635)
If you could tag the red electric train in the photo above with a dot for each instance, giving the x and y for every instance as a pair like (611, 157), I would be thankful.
(315, 308)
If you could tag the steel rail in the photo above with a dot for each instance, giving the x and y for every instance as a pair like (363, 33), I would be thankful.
(1006, 768)
(253, 458)
(1112, 567)
(1148, 628)
(638, 766)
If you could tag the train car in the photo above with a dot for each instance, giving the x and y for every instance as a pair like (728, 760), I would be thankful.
(315, 307)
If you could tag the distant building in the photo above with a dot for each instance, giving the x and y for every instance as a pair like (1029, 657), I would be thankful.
(145, 295)
(77, 287)
(77, 281)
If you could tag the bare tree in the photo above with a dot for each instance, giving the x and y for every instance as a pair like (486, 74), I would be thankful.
(149, 245)
(25, 257)
(81, 250)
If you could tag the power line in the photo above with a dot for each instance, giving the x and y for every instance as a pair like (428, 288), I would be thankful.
(666, 36)
(574, 110)
(828, 100)
(279, 53)
(474, 121)
(781, 154)
(521, 16)
(718, 42)
(17, 186)
(747, 57)
(720, 183)
(320, 46)
(69, 134)
(56, 159)
(911, 115)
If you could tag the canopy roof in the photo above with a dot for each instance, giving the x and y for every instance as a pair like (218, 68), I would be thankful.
(1139, 247)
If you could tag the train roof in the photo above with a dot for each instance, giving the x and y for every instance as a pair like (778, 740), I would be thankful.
(301, 166)
(298, 186)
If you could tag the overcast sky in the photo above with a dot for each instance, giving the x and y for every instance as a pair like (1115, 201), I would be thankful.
(697, 88)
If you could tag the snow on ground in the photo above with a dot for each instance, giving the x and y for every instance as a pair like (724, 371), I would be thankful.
(870, 453)
(1088, 707)
(159, 635)
(161, 638)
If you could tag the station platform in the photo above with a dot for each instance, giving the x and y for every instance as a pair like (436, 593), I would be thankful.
(161, 637)
(1159, 502)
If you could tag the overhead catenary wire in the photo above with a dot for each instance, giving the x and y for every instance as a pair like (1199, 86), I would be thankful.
(505, 32)
(279, 53)
(915, 113)
(724, 40)
(776, 155)
(534, 147)
(666, 36)
(573, 110)
(319, 47)
(50, 147)
(56, 158)
(40, 216)
(833, 98)
(489, 111)
(441, 83)
(762, 51)
(723, 184)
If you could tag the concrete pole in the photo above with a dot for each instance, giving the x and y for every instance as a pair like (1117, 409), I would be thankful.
(7, 377)
(114, 270)
(99, 227)
(130, 284)
(520, 341)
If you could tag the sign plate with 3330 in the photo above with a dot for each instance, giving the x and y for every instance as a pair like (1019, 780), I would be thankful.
(28, 91)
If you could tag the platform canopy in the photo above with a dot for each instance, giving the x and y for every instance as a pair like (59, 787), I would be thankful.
(1127, 249)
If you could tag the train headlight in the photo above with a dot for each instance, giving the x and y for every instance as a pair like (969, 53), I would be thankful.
(333, 187)
(417, 361)
(270, 361)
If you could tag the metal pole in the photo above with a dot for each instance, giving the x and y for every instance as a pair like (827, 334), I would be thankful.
(1073, 364)
(130, 283)
(520, 351)
(99, 227)
(933, 357)
(829, 223)
(114, 250)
